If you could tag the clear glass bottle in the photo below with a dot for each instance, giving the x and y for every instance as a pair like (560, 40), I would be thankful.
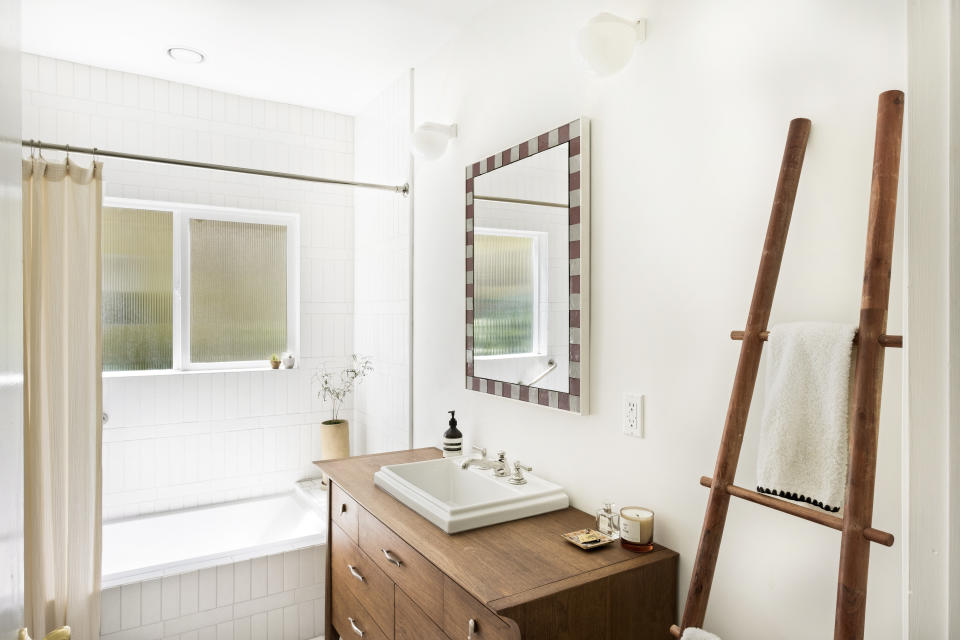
(608, 520)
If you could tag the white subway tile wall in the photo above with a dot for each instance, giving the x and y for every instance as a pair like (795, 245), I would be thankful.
(227, 602)
(382, 291)
(182, 440)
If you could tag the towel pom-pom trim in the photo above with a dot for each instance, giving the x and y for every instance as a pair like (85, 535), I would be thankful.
(798, 497)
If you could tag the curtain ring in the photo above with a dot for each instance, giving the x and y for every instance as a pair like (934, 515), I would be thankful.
(40, 149)
(33, 148)
(67, 159)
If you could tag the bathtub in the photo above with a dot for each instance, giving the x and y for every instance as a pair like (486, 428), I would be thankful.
(245, 569)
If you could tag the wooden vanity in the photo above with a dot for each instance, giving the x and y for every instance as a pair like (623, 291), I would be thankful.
(393, 575)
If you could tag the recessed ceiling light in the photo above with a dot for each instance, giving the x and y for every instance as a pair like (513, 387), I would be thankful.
(185, 55)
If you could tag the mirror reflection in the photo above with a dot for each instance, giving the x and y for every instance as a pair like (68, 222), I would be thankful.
(521, 272)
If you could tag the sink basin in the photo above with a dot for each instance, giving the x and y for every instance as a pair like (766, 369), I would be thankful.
(456, 499)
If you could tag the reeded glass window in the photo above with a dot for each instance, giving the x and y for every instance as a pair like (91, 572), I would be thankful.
(504, 320)
(197, 288)
(238, 291)
(137, 289)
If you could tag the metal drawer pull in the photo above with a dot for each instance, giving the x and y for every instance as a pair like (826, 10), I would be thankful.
(343, 508)
(391, 558)
(471, 628)
(356, 574)
(357, 630)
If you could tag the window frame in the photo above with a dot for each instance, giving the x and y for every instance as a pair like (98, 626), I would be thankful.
(541, 270)
(182, 214)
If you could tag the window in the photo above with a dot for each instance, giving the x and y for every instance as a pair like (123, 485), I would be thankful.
(507, 268)
(137, 289)
(238, 292)
(197, 287)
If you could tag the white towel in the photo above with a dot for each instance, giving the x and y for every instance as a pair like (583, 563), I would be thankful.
(692, 633)
(803, 440)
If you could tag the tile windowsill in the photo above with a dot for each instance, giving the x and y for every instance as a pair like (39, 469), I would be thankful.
(187, 372)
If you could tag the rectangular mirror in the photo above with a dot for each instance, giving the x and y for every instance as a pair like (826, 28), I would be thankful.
(527, 262)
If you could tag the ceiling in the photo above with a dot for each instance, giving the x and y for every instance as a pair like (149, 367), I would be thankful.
(326, 54)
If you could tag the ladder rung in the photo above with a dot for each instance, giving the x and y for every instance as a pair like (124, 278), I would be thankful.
(885, 340)
(794, 509)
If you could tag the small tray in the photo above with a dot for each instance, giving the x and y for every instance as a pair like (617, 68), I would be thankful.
(575, 537)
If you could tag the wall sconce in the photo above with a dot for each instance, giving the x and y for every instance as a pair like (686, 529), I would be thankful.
(430, 139)
(607, 42)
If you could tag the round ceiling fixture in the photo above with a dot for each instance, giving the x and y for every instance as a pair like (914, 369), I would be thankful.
(186, 55)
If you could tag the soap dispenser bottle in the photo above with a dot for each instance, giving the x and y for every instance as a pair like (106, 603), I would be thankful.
(452, 439)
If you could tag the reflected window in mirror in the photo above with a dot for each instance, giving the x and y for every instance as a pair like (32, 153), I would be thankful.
(507, 294)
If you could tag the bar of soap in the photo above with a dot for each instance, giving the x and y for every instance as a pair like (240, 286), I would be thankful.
(588, 536)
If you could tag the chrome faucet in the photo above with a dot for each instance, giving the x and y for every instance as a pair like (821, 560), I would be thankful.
(518, 469)
(499, 466)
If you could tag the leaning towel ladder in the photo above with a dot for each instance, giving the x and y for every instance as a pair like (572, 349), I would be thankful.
(872, 340)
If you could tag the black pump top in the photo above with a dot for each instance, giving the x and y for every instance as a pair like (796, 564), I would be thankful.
(453, 432)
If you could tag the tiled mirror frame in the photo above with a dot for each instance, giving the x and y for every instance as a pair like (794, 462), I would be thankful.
(577, 133)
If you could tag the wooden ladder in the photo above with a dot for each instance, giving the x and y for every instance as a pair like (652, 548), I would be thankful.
(872, 340)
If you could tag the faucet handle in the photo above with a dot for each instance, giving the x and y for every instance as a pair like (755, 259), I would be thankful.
(481, 450)
(501, 456)
(518, 469)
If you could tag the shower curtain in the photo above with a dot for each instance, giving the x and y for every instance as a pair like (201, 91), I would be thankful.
(62, 396)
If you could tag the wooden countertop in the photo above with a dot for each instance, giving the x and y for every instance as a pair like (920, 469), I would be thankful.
(501, 565)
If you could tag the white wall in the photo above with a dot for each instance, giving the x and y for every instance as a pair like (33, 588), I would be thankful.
(178, 440)
(11, 329)
(932, 566)
(953, 213)
(686, 148)
(382, 282)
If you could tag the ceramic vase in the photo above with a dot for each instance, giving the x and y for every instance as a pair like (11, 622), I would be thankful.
(335, 439)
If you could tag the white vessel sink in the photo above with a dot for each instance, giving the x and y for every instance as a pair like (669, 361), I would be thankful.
(456, 499)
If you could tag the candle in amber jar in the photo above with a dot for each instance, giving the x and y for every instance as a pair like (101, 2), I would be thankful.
(636, 529)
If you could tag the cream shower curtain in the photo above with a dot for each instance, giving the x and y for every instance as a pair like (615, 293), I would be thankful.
(62, 388)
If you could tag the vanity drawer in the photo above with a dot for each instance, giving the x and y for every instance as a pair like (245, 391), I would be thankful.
(352, 568)
(415, 574)
(459, 608)
(344, 511)
(413, 623)
(351, 619)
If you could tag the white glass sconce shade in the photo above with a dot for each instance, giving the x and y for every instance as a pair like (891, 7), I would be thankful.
(429, 140)
(607, 42)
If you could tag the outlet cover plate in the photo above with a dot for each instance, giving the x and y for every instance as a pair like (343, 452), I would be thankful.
(633, 415)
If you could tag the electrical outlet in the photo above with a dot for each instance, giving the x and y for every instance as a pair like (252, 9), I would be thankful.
(633, 415)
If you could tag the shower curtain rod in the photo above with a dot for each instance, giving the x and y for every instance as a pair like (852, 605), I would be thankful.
(404, 188)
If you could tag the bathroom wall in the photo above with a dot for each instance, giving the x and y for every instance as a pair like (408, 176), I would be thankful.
(382, 282)
(11, 329)
(686, 148)
(932, 320)
(182, 439)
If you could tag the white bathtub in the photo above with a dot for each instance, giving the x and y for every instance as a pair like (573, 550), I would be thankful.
(236, 571)
(152, 546)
